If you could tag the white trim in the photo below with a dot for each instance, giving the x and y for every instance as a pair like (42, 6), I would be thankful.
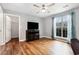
(18, 20)
(68, 39)
(61, 37)
(12, 14)
(68, 27)
(2, 43)
(21, 40)
(19, 27)
(46, 37)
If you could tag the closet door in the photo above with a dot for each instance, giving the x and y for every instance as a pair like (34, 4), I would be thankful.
(8, 28)
(1, 27)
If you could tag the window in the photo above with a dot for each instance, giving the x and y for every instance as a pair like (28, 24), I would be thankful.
(62, 26)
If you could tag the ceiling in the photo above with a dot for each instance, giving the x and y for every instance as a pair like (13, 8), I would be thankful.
(28, 8)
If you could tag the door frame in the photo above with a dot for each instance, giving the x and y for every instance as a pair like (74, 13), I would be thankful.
(19, 23)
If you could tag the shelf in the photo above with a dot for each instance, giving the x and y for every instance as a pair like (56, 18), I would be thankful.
(32, 35)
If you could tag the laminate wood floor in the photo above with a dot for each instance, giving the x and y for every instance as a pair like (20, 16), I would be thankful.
(43, 46)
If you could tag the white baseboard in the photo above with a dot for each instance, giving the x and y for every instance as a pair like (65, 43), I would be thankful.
(3, 43)
(22, 40)
(46, 37)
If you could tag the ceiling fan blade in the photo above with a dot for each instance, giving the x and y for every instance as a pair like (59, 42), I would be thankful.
(48, 12)
(43, 5)
(50, 5)
(36, 5)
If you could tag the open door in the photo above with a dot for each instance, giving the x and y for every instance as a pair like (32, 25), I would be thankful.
(1, 27)
(2, 39)
(12, 34)
(8, 29)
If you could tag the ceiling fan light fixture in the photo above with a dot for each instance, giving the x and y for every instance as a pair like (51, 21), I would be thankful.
(43, 10)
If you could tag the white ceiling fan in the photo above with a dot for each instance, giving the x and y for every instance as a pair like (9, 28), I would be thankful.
(44, 7)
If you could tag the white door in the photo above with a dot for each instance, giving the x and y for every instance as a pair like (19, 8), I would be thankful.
(8, 28)
(1, 27)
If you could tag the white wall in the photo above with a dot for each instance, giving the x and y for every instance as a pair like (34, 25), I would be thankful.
(48, 24)
(47, 27)
(23, 25)
(24, 18)
(77, 22)
(45, 24)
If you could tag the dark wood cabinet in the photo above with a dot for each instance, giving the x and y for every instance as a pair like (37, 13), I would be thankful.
(32, 35)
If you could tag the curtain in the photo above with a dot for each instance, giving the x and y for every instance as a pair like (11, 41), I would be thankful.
(73, 25)
(53, 27)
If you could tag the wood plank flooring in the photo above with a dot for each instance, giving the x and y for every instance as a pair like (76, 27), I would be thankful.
(43, 46)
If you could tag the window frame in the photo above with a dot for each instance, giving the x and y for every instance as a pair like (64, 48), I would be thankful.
(69, 27)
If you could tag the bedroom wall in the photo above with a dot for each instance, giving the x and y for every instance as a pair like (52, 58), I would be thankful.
(23, 25)
(24, 18)
(48, 23)
(47, 27)
(77, 22)
(45, 24)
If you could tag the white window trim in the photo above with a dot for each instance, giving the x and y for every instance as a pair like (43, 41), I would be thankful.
(69, 29)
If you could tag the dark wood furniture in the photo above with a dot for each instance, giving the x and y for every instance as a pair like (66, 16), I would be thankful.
(32, 35)
(75, 46)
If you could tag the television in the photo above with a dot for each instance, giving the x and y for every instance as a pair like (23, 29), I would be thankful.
(32, 25)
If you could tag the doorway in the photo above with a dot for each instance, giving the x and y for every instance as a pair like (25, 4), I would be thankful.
(12, 27)
(12, 34)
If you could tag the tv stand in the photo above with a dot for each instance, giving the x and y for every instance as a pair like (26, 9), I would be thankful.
(32, 34)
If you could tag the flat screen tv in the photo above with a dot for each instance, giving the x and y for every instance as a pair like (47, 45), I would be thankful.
(32, 25)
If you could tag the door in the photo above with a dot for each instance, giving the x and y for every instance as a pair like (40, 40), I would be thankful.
(8, 28)
(62, 27)
(1, 27)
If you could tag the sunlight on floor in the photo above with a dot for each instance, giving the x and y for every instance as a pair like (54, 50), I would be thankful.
(59, 48)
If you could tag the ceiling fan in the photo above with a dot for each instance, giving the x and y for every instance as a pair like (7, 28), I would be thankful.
(44, 7)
